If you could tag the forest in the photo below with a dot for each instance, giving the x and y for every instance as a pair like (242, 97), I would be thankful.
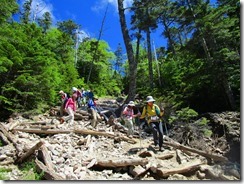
(199, 69)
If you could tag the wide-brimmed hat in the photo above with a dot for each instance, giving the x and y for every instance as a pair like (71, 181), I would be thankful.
(131, 103)
(74, 89)
(150, 99)
(95, 98)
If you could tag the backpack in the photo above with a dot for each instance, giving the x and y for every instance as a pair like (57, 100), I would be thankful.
(156, 109)
(66, 99)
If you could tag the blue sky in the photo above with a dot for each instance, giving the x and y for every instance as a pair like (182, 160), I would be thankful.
(89, 15)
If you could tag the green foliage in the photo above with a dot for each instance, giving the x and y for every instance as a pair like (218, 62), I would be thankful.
(203, 121)
(185, 115)
(30, 172)
(207, 132)
(4, 173)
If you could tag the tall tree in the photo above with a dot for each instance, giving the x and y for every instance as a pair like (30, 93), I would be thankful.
(45, 22)
(129, 51)
(69, 27)
(119, 60)
(26, 11)
(145, 20)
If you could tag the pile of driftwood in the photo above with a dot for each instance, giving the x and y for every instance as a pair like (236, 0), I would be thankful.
(102, 152)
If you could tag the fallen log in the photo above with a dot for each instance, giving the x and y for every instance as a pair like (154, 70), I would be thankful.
(143, 173)
(9, 136)
(4, 139)
(30, 152)
(48, 175)
(86, 132)
(165, 156)
(43, 153)
(106, 134)
(136, 170)
(121, 162)
(164, 173)
(13, 124)
(181, 147)
(38, 131)
(79, 115)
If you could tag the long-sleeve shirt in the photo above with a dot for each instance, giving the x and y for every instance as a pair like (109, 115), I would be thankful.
(71, 103)
(78, 93)
(149, 111)
(128, 112)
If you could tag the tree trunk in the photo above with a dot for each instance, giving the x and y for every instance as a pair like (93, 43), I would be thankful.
(149, 57)
(130, 54)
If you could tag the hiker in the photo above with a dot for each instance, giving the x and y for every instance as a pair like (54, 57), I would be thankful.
(92, 109)
(70, 108)
(79, 95)
(152, 114)
(64, 98)
(90, 94)
(83, 98)
(92, 103)
(128, 115)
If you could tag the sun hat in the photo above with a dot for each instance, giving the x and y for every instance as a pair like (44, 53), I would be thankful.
(60, 92)
(74, 89)
(95, 98)
(150, 99)
(131, 103)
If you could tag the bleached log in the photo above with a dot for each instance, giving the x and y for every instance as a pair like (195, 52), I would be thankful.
(121, 162)
(43, 152)
(181, 147)
(4, 138)
(86, 132)
(163, 173)
(136, 170)
(165, 156)
(106, 134)
(143, 173)
(13, 125)
(30, 152)
(9, 136)
(79, 115)
(38, 131)
(48, 175)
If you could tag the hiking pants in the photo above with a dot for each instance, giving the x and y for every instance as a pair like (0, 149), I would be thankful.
(129, 125)
(71, 116)
(157, 129)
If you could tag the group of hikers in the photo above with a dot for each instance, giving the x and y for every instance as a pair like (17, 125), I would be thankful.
(78, 99)
(151, 114)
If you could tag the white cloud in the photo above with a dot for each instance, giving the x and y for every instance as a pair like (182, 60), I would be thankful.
(101, 4)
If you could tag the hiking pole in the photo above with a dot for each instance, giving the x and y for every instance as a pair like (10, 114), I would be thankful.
(166, 129)
(139, 135)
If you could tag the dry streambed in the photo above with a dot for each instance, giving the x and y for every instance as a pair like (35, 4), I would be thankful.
(82, 152)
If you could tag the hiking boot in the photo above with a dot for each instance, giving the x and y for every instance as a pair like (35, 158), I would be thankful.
(161, 149)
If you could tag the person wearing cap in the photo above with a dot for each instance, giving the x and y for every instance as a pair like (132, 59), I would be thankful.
(64, 98)
(79, 95)
(152, 113)
(128, 115)
(70, 108)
